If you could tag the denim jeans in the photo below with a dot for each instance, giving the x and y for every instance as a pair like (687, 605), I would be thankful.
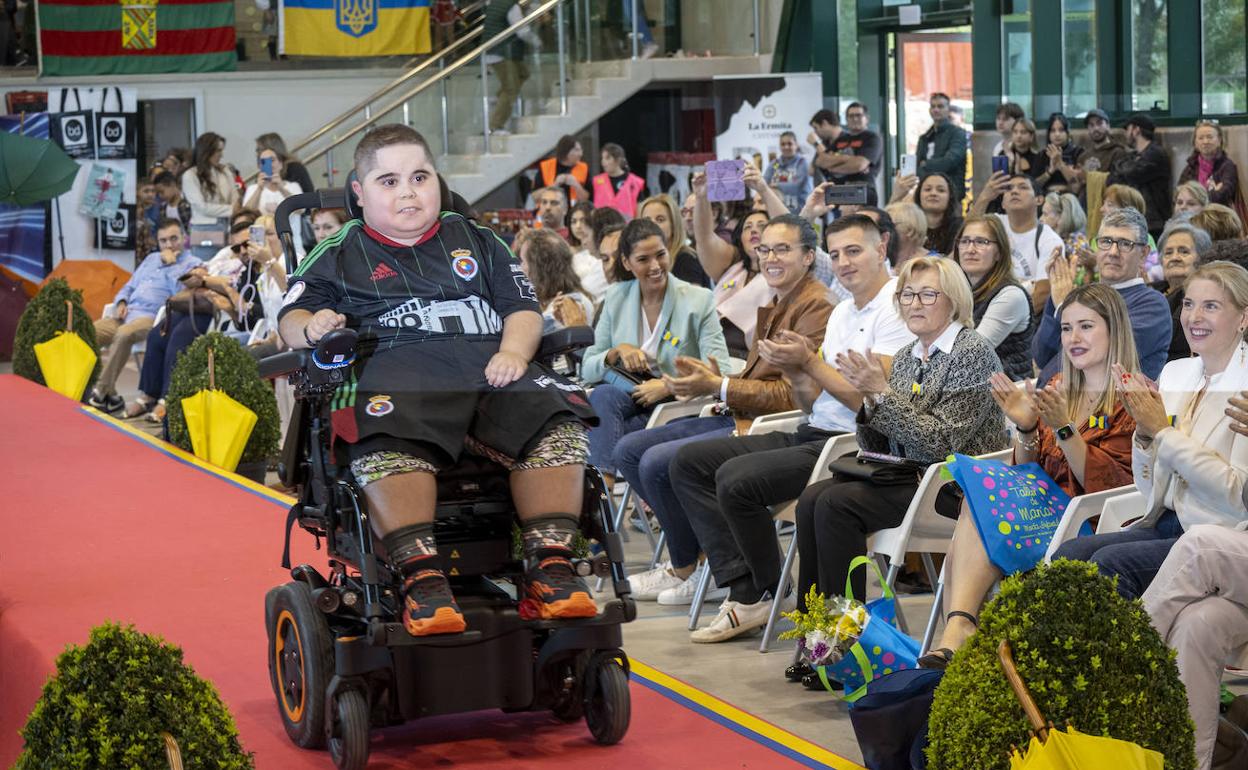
(643, 458)
(618, 415)
(162, 350)
(1134, 555)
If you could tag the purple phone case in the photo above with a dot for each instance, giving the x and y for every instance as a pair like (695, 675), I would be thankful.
(725, 180)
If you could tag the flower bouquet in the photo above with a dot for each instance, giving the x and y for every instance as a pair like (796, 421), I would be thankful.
(828, 627)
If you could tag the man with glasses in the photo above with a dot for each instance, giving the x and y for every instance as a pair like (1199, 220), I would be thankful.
(1032, 243)
(1120, 247)
(943, 146)
(726, 485)
(1146, 168)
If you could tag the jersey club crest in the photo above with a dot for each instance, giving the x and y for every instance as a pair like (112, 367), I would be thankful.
(464, 264)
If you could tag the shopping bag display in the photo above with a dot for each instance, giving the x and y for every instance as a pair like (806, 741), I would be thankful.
(116, 232)
(116, 135)
(1016, 509)
(66, 361)
(102, 196)
(218, 425)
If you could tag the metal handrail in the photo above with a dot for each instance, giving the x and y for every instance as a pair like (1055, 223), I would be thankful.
(405, 77)
(442, 74)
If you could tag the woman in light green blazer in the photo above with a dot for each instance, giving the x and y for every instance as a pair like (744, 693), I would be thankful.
(644, 325)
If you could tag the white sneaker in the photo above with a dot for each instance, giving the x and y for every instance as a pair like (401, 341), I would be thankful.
(682, 595)
(735, 619)
(646, 586)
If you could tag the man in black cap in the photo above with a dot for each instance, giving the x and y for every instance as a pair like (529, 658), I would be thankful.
(1146, 168)
(1101, 150)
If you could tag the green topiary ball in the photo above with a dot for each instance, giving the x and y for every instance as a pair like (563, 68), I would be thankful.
(43, 317)
(1089, 657)
(109, 702)
(238, 375)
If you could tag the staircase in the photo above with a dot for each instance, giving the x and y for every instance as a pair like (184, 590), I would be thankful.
(571, 85)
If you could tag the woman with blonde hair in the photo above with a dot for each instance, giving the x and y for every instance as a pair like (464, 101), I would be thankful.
(1221, 222)
(1025, 159)
(934, 402)
(911, 224)
(1001, 306)
(664, 212)
(1190, 198)
(1187, 462)
(1076, 428)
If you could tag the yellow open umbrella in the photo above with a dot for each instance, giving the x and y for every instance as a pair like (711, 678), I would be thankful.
(66, 361)
(219, 425)
(1069, 749)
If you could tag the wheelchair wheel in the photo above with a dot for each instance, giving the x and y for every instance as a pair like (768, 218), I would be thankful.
(607, 703)
(301, 661)
(569, 706)
(348, 742)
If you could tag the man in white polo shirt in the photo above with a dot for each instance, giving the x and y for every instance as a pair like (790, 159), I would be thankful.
(727, 484)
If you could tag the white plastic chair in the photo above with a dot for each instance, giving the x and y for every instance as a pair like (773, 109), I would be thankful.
(1081, 509)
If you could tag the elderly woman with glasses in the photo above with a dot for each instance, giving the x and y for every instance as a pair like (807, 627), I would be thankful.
(935, 401)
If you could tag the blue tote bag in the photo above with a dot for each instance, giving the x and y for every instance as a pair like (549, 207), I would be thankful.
(1016, 509)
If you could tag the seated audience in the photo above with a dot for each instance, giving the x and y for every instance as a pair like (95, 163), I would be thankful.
(1190, 198)
(1233, 250)
(135, 307)
(1186, 461)
(943, 212)
(911, 226)
(800, 306)
(1197, 602)
(546, 260)
(1033, 245)
(1007, 115)
(790, 173)
(292, 169)
(1063, 213)
(1119, 251)
(1209, 165)
(552, 210)
(1145, 167)
(169, 201)
(580, 233)
(1121, 196)
(593, 268)
(1221, 222)
(1001, 307)
(208, 185)
(1182, 247)
(1101, 152)
(647, 322)
(326, 222)
(1092, 457)
(661, 210)
(607, 238)
(726, 485)
(269, 190)
(1063, 156)
(951, 410)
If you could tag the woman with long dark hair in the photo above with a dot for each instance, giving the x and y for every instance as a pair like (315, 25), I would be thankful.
(943, 211)
(1063, 155)
(208, 185)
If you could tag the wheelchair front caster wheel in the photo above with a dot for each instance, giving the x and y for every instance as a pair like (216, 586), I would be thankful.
(348, 739)
(607, 704)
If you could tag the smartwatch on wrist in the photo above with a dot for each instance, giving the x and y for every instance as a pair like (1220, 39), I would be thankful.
(1065, 432)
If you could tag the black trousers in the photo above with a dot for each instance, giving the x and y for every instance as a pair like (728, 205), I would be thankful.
(726, 485)
(834, 518)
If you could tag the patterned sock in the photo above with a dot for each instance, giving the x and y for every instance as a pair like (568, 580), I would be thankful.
(550, 535)
(413, 550)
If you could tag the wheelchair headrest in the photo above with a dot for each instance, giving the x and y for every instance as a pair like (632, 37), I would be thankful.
(451, 200)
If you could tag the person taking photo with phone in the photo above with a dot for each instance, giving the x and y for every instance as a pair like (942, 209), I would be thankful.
(270, 189)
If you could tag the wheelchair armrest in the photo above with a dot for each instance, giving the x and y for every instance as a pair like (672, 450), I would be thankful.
(283, 364)
(564, 341)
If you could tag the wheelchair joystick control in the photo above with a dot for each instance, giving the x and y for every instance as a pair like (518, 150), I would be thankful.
(335, 350)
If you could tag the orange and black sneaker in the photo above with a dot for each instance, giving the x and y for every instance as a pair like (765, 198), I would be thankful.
(429, 606)
(557, 592)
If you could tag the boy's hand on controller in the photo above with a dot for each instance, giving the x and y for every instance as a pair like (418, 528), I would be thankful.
(323, 322)
(505, 368)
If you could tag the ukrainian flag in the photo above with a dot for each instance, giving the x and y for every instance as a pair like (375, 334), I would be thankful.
(354, 27)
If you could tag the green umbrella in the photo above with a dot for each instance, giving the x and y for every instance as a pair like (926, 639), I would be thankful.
(33, 170)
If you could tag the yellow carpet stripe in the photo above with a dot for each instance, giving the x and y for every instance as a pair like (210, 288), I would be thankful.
(742, 718)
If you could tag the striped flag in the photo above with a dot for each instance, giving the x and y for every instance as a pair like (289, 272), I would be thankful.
(123, 37)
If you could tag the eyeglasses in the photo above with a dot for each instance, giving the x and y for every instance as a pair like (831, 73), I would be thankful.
(979, 243)
(1124, 245)
(782, 251)
(926, 297)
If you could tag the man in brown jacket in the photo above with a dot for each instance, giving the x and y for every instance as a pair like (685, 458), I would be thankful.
(800, 304)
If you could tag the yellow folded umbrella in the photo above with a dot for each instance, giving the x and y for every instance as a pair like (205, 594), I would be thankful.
(1069, 749)
(219, 425)
(66, 361)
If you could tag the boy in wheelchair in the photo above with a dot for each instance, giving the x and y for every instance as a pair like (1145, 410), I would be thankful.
(448, 325)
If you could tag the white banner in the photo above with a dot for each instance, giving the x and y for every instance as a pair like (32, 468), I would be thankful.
(751, 111)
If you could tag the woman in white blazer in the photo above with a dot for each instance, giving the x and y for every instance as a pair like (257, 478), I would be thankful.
(1186, 460)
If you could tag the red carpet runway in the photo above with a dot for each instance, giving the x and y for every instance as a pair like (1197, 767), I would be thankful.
(102, 523)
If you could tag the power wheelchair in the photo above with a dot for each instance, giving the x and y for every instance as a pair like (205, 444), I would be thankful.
(340, 660)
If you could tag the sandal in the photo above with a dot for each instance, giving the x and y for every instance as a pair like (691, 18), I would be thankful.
(140, 407)
(940, 658)
(157, 415)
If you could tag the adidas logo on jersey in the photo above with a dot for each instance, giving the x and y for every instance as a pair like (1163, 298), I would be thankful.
(383, 271)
